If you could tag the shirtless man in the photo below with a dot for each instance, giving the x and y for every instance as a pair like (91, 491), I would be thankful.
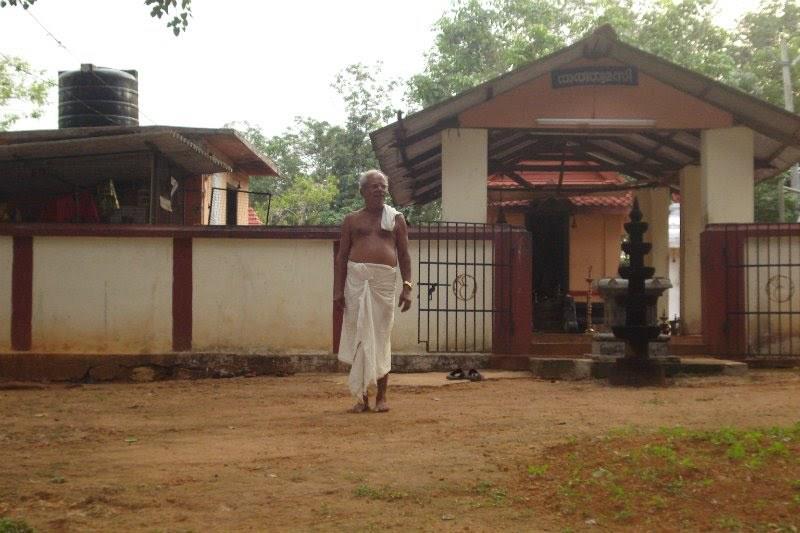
(373, 241)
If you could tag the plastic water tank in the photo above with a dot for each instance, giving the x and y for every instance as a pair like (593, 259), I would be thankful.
(96, 96)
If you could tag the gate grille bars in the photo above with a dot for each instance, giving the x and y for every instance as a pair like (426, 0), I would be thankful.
(751, 290)
(464, 279)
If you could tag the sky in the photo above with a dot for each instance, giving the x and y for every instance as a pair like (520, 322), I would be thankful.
(240, 60)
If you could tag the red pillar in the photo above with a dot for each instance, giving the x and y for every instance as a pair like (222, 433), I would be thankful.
(182, 294)
(21, 293)
(522, 293)
(513, 316)
(338, 314)
(722, 289)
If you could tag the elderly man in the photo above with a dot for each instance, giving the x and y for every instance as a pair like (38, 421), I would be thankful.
(374, 241)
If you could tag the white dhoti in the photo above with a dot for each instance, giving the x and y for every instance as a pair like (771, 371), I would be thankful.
(365, 343)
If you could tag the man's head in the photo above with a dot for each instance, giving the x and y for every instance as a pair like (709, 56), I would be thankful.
(373, 186)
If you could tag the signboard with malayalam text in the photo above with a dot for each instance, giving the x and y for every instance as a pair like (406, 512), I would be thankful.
(587, 76)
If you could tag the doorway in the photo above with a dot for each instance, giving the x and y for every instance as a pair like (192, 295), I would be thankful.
(232, 207)
(548, 223)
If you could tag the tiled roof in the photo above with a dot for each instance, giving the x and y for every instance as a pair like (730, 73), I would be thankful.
(570, 179)
(596, 200)
(604, 200)
(252, 218)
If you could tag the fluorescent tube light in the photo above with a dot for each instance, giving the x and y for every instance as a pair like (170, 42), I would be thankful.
(610, 122)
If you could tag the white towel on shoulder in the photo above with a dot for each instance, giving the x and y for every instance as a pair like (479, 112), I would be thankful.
(365, 343)
(388, 217)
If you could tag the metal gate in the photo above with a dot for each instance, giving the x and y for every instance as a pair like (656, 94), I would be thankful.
(761, 289)
(464, 279)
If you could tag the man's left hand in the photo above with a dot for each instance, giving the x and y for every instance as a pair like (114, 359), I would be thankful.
(405, 299)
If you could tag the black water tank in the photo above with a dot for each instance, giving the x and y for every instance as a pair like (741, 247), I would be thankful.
(95, 96)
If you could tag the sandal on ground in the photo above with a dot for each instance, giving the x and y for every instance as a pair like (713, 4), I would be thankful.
(474, 375)
(457, 374)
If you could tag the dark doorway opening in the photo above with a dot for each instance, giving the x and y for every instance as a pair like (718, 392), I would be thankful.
(548, 223)
(232, 204)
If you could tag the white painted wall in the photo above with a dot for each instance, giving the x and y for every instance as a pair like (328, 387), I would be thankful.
(465, 169)
(106, 295)
(674, 294)
(772, 289)
(263, 295)
(692, 226)
(727, 175)
(6, 258)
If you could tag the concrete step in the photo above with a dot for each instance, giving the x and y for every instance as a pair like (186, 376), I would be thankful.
(556, 349)
(688, 345)
(562, 345)
(579, 368)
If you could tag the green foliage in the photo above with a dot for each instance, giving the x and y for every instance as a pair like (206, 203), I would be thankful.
(757, 49)
(10, 525)
(181, 11)
(766, 201)
(180, 19)
(320, 162)
(305, 202)
(477, 41)
(23, 92)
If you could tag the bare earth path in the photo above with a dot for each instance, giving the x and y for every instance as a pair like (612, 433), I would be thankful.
(280, 453)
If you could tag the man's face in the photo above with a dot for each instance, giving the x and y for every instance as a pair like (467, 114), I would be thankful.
(374, 190)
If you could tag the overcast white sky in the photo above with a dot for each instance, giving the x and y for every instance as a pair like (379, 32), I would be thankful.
(263, 62)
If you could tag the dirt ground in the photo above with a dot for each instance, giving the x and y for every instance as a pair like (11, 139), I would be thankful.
(276, 454)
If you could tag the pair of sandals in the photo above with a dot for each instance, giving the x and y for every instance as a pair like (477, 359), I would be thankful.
(472, 375)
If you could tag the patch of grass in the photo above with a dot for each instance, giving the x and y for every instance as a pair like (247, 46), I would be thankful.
(658, 502)
(749, 477)
(538, 470)
(12, 525)
(496, 495)
(384, 493)
(729, 523)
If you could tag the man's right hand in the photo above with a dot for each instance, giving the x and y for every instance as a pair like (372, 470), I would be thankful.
(338, 302)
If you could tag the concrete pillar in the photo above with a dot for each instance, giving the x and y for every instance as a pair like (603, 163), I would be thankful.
(654, 204)
(726, 183)
(465, 169)
(691, 227)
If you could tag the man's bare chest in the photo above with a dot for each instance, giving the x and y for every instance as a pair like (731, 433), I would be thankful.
(370, 229)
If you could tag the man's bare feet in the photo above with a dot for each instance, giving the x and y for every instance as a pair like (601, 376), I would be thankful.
(380, 400)
(360, 407)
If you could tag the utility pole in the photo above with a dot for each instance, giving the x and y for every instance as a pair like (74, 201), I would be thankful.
(788, 104)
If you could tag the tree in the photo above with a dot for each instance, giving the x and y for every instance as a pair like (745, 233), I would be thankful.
(757, 49)
(766, 201)
(181, 11)
(319, 162)
(477, 41)
(305, 202)
(23, 92)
